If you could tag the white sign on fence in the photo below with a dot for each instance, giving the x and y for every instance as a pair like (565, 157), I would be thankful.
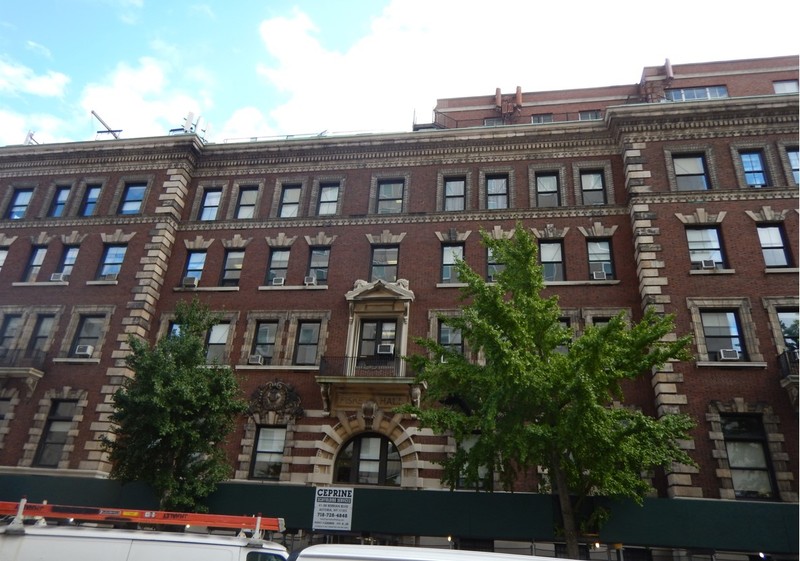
(333, 508)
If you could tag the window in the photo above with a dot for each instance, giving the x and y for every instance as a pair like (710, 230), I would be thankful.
(368, 459)
(318, 264)
(547, 192)
(34, 264)
(5, 408)
(705, 249)
(278, 265)
(246, 205)
(132, 198)
(232, 268)
(755, 174)
(691, 94)
(268, 453)
(390, 196)
(788, 320)
(90, 198)
(566, 324)
(493, 122)
(56, 432)
(493, 267)
(484, 475)
(746, 445)
(384, 263)
(722, 334)
(496, 191)
(307, 342)
(90, 330)
(378, 338)
(216, 343)
(552, 261)
(450, 338)
(601, 266)
(593, 187)
(10, 330)
(68, 258)
(19, 204)
(785, 86)
(451, 253)
(590, 115)
(541, 118)
(773, 246)
(195, 261)
(41, 334)
(59, 203)
(690, 172)
(328, 199)
(3, 257)
(264, 342)
(110, 266)
(455, 193)
(794, 163)
(290, 201)
(210, 204)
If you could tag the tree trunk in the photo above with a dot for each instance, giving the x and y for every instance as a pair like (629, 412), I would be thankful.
(567, 513)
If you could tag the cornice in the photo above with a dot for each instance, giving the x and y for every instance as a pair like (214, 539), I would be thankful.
(88, 222)
(693, 197)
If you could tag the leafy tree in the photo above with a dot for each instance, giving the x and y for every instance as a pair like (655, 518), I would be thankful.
(171, 418)
(540, 398)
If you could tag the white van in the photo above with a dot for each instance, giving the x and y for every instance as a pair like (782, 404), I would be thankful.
(65, 543)
(339, 552)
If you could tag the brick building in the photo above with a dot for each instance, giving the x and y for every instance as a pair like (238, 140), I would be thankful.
(327, 256)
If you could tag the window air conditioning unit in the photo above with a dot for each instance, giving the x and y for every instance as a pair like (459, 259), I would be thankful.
(310, 281)
(255, 359)
(599, 275)
(728, 354)
(110, 277)
(189, 282)
(59, 277)
(708, 264)
(278, 281)
(386, 349)
(84, 351)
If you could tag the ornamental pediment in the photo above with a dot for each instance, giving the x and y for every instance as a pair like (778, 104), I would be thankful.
(380, 290)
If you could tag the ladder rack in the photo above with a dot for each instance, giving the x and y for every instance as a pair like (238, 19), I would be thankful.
(120, 515)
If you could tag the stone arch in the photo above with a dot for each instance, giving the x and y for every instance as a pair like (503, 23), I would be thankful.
(379, 422)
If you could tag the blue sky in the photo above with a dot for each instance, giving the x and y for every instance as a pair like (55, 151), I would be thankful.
(269, 68)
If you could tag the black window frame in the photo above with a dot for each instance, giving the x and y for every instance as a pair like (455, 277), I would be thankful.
(243, 205)
(232, 267)
(112, 260)
(265, 340)
(712, 248)
(454, 202)
(350, 472)
(319, 258)
(273, 270)
(195, 263)
(301, 345)
(91, 196)
(69, 255)
(716, 339)
(771, 248)
(59, 203)
(543, 198)
(448, 271)
(131, 204)
(386, 264)
(559, 266)
(498, 200)
(35, 261)
(273, 456)
(83, 336)
(17, 209)
(210, 205)
(387, 201)
(328, 207)
(588, 198)
(754, 167)
(52, 442)
(750, 431)
(607, 265)
(687, 180)
(287, 204)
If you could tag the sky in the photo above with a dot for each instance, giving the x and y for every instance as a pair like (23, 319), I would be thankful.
(268, 69)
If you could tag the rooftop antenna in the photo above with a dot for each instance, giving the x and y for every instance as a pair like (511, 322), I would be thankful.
(29, 139)
(109, 130)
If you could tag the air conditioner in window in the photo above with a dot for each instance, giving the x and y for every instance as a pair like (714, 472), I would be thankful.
(708, 264)
(255, 359)
(189, 282)
(728, 354)
(386, 349)
(109, 277)
(59, 277)
(310, 281)
(278, 281)
(83, 351)
(599, 275)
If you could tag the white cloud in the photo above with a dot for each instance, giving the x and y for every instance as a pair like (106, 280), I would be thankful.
(37, 48)
(245, 124)
(14, 127)
(17, 79)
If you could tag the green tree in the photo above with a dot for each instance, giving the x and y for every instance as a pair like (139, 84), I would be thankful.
(540, 398)
(172, 417)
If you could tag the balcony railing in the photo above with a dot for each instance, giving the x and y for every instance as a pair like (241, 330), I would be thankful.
(789, 364)
(22, 358)
(363, 367)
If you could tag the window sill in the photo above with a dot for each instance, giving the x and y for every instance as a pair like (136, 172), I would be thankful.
(450, 284)
(76, 360)
(206, 289)
(295, 287)
(774, 270)
(41, 283)
(299, 368)
(101, 282)
(729, 364)
(712, 271)
(586, 282)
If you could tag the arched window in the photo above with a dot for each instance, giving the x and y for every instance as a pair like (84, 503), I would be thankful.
(368, 459)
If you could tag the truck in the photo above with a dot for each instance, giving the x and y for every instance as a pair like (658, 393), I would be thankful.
(48, 532)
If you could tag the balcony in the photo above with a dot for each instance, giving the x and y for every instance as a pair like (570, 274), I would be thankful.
(788, 361)
(22, 364)
(389, 368)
